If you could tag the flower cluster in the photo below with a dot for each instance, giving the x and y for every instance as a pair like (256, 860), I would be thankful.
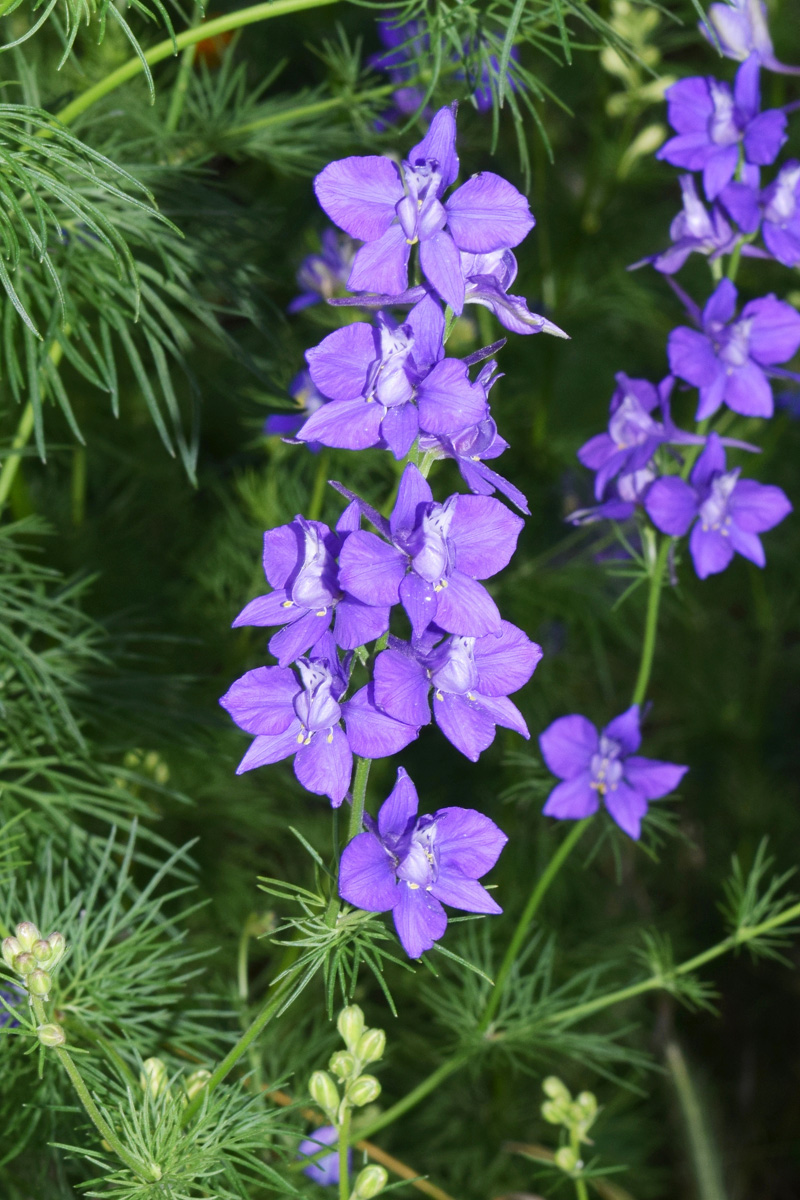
(411, 585)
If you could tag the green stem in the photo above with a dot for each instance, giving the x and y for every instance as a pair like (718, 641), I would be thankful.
(344, 1146)
(180, 88)
(704, 1158)
(320, 483)
(245, 1041)
(532, 907)
(577, 1012)
(359, 797)
(11, 465)
(310, 110)
(156, 54)
(651, 622)
(147, 1171)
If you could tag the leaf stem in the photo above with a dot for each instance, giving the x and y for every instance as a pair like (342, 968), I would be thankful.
(310, 110)
(189, 37)
(531, 908)
(651, 622)
(359, 797)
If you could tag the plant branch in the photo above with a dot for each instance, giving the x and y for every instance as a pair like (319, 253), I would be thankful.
(651, 622)
(359, 797)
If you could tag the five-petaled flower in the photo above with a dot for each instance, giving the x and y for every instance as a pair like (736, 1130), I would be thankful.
(604, 765)
(391, 211)
(411, 865)
(727, 512)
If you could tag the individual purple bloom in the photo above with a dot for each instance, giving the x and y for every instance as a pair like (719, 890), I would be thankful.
(371, 199)
(741, 30)
(727, 512)
(322, 275)
(778, 206)
(487, 278)
(694, 230)
(388, 381)
(303, 718)
(712, 122)
(471, 679)
(300, 565)
(324, 1170)
(308, 400)
(432, 557)
(606, 764)
(412, 865)
(633, 433)
(621, 497)
(730, 360)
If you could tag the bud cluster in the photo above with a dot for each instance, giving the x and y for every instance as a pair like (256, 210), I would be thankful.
(33, 957)
(154, 1080)
(577, 1116)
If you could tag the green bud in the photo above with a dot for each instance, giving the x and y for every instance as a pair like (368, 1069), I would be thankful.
(363, 1090)
(11, 948)
(566, 1159)
(39, 983)
(196, 1082)
(343, 1064)
(555, 1089)
(587, 1105)
(554, 1112)
(371, 1045)
(351, 1026)
(24, 963)
(27, 934)
(153, 1077)
(370, 1182)
(57, 947)
(51, 1035)
(324, 1092)
(42, 951)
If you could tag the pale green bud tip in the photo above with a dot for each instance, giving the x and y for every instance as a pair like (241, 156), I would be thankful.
(39, 983)
(24, 963)
(351, 1026)
(343, 1064)
(370, 1182)
(566, 1159)
(196, 1082)
(57, 945)
(587, 1104)
(11, 948)
(27, 934)
(51, 1035)
(153, 1077)
(324, 1091)
(42, 951)
(555, 1089)
(553, 1112)
(363, 1090)
(371, 1045)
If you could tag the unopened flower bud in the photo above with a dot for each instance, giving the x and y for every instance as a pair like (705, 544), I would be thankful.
(24, 963)
(11, 948)
(57, 945)
(587, 1105)
(555, 1089)
(370, 1182)
(39, 983)
(51, 1035)
(566, 1159)
(371, 1045)
(27, 934)
(196, 1082)
(42, 951)
(553, 1112)
(351, 1026)
(324, 1091)
(363, 1090)
(343, 1064)
(153, 1077)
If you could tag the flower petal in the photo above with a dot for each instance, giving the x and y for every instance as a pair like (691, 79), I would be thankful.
(359, 194)
(371, 732)
(764, 137)
(756, 507)
(465, 607)
(748, 545)
(419, 920)
(261, 701)
(358, 623)
(774, 330)
(573, 799)
(671, 505)
(748, 392)
(413, 491)
(344, 425)
(711, 552)
(268, 610)
(401, 687)
(382, 265)
(484, 534)
(692, 357)
(453, 888)
(399, 428)
(400, 807)
(503, 712)
(488, 213)
(299, 636)
(468, 841)
(448, 401)
(721, 305)
(419, 599)
(505, 662)
(568, 744)
(441, 266)
(366, 876)
(283, 550)
(710, 462)
(324, 765)
(627, 808)
(270, 748)
(338, 366)
(719, 168)
(651, 778)
(427, 323)
(465, 723)
(439, 145)
(625, 730)
(370, 569)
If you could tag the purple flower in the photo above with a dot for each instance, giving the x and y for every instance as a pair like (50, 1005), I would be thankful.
(300, 564)
(14, 997)
(633, 433)
(620, 499)
(693, 230)
(308, 400)
(431, 558)
(322, 275)
(325, 1170)
(729, 360)
(712, 122)
(303, 718)
(412, 865)
(727, 512)
(388, 381)
(488, 74)
(470, 677)
(606, 764)
(778, 205)
(405, 42)
(487, 278)
(741, 30)
(391, 211)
